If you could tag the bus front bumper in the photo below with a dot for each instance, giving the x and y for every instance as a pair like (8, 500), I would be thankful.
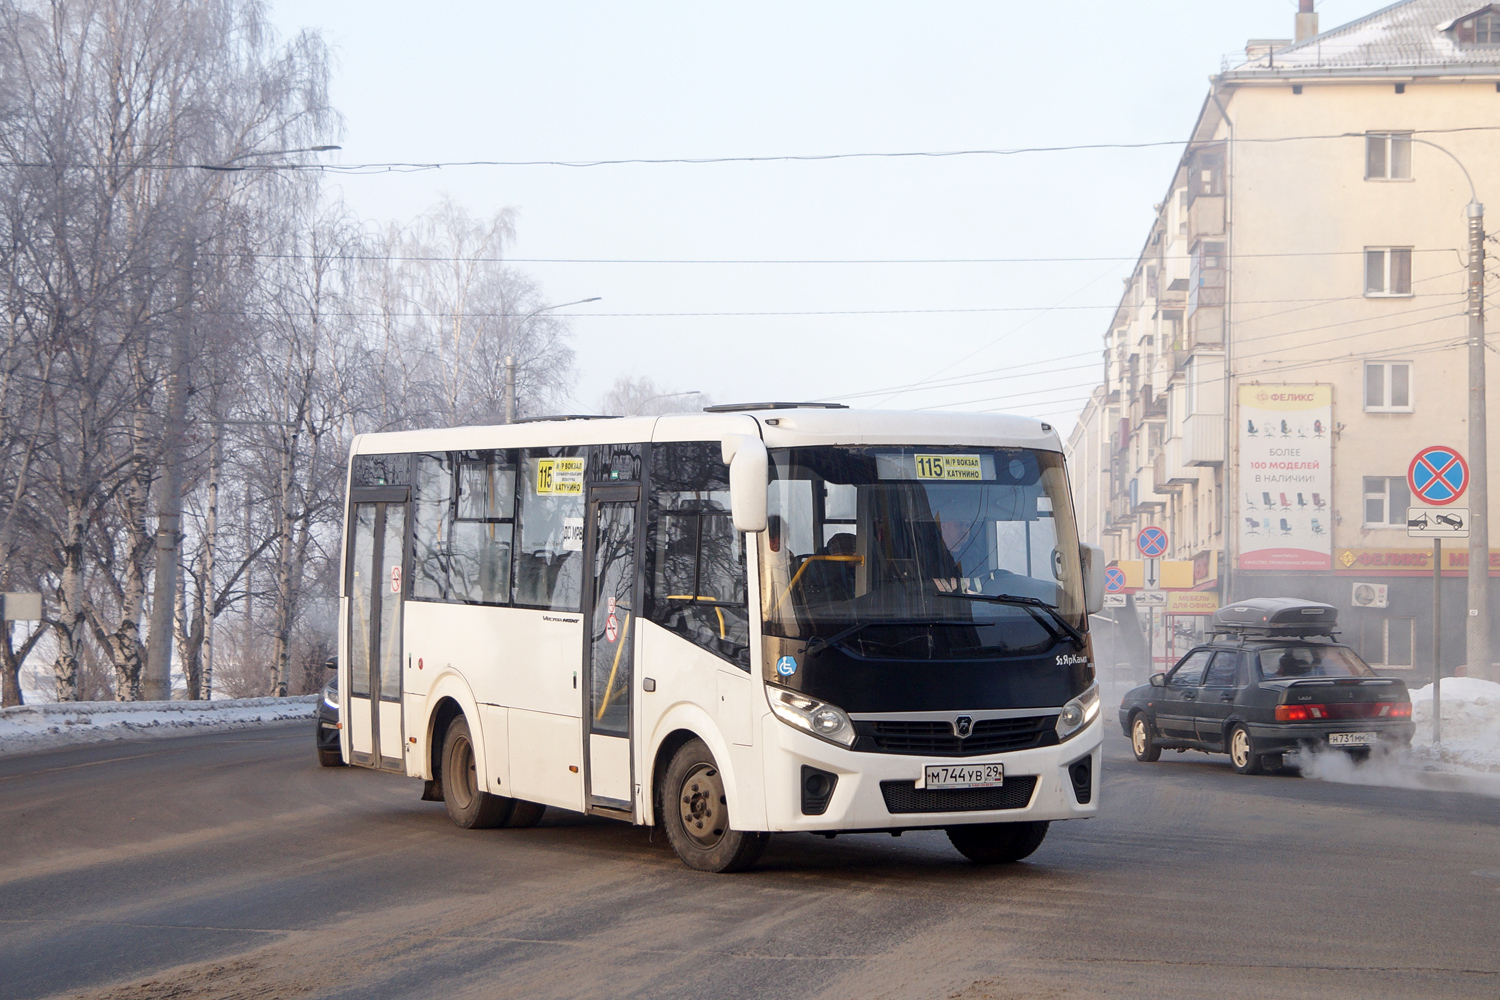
(877, 791)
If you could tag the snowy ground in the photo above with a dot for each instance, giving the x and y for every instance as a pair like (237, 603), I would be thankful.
(1471, 722)
(40, 727)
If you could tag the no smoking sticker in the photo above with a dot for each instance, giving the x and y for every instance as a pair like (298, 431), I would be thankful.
(611, 628)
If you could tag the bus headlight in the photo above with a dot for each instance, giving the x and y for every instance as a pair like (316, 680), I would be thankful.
(823, 720)
(1078, 713)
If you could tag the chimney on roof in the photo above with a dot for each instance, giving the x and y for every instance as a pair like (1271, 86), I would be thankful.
(1307, 20)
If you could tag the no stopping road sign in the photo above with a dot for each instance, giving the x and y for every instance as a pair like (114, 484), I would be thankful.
(1438, 475)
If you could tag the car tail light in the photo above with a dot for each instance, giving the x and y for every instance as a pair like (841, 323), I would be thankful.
(1401, 710)
(1300, 713)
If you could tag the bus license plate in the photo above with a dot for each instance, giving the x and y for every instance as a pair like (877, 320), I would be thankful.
(1351, 739)
(982, 775)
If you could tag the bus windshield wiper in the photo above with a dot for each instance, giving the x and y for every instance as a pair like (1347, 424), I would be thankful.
(818, 642)
(1035, 606)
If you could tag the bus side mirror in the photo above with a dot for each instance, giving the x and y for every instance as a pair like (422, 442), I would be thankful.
(748, 465)
(1093, 577)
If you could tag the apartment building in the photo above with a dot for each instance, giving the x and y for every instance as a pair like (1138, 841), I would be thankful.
(1294, 330)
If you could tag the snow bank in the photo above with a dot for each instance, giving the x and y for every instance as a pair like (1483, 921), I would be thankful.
(1471, 722)
(39, 727)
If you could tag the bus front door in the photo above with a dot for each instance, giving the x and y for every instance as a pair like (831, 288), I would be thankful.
(609, 662)
(376, 585)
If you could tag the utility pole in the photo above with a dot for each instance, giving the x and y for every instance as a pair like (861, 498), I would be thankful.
(156, 680)
(1478, 633)
(510, 388)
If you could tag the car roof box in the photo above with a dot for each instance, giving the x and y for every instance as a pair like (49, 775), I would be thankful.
(1277, 616)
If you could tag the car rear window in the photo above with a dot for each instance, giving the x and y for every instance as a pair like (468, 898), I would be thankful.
(1279, 662)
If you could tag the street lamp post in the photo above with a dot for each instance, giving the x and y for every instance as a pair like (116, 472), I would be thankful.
(510, 359)
(1477, 634)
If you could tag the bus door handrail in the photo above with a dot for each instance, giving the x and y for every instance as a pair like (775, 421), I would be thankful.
(609, 687)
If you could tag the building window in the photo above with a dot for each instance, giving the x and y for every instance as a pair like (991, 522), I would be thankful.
(1386, 642)
(1387, 271)
(1482, 29)
(1388, 386)
(1388, 156)
(1386, 500)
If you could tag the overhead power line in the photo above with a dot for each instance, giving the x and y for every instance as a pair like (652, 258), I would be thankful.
(410, 166)
(776, 261)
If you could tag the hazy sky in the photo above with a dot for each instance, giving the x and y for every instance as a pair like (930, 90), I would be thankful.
(449, 80)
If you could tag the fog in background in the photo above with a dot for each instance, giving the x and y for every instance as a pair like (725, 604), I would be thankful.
(514, 81)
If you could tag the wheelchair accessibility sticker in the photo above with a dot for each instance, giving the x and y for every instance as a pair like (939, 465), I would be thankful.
(786, 666)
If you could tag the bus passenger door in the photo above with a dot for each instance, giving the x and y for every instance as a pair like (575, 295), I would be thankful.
(376, 584)
(609, 661)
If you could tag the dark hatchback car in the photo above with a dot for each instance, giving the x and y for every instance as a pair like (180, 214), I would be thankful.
(327, 721)
(1269, 680)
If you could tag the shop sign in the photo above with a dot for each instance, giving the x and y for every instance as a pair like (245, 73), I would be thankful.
(1192, 602)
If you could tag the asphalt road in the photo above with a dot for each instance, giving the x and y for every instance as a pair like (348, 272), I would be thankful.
(232, 866)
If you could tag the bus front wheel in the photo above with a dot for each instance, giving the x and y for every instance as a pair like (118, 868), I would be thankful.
(997, 843)
(695, 811)
(468, 806)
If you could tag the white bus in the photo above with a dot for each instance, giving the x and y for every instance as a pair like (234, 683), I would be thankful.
(758, 619)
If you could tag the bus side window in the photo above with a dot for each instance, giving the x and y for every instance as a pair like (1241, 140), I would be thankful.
(432, 526)
(485, 497)
(696, 560)
(549, 544)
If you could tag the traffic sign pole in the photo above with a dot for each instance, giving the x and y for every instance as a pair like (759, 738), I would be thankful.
(1437, 642)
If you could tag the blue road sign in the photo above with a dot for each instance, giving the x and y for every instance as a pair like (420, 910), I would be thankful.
(1152, 541)
(1438, 475)
(1114, 580)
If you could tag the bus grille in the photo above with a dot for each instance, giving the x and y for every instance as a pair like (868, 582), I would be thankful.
(937, 739)
(906, 797)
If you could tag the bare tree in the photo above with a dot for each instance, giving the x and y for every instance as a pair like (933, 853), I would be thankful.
(632, 396)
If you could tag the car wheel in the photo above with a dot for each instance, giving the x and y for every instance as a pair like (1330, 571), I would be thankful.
(1140, 739)
(524, 814)
(1242, 751)
(468, 806)
(330, 758)
(695, 811)
(997, 843)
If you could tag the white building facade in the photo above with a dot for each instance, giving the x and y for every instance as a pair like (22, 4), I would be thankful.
(1294, 331)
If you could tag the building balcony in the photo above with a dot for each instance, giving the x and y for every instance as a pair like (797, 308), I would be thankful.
(1203, 440)
(1167, 473)
(1206, 216)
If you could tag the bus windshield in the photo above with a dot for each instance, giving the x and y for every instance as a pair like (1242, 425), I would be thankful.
(976, 546)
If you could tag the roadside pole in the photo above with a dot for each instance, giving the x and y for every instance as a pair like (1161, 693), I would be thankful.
(1478, 632)
(1437, 642)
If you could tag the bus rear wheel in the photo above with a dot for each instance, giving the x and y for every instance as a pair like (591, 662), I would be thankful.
(468, 806)
(997, 843)
(694, 809)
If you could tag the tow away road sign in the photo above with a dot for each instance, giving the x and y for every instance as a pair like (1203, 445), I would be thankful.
(1114, 600)
(1152, 541)
(1438, 475)
(1151, 599)
(1437, 522)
